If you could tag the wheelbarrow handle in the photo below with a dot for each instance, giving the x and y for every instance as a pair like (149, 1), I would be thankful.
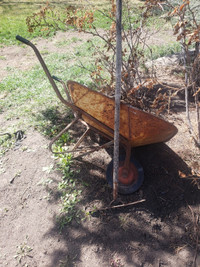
(56, 78)
(51, 79)
(23, 40)
(64, 86)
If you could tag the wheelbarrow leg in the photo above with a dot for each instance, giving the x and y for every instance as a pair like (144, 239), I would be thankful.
(127, 160)
(110, 143)
(61, 133)
(81, 138)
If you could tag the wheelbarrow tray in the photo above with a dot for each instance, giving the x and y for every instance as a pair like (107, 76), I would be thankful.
(138, 127)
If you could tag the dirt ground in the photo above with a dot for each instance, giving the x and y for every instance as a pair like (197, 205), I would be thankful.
(162, 231)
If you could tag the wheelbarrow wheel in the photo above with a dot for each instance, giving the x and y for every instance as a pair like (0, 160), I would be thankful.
(132, 181)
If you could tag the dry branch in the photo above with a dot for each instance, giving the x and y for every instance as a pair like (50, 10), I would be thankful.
(120, 206)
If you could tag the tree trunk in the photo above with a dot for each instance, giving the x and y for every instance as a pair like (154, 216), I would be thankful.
(117, 96)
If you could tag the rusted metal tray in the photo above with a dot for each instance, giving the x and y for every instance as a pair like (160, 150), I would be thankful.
(138, 127)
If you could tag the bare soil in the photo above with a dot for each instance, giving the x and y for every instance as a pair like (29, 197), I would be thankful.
(162, 231)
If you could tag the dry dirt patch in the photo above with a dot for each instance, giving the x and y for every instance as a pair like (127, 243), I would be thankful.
(26, 212)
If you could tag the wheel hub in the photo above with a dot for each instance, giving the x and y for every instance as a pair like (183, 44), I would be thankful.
(127, 176)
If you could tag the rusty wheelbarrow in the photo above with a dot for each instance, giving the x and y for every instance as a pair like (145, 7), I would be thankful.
(96, 112)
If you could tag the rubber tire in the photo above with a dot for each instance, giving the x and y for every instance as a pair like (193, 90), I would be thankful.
(126, 189)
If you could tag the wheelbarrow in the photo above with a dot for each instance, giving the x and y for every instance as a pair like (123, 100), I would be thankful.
(96, 111)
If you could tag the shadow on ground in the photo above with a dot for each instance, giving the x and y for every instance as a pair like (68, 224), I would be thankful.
(153, 232)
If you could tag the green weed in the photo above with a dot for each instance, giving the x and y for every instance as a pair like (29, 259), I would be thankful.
(124, 222)
(65, 42)
(102, 20)
(70, 192)
(5, 144)
(75, 39)
(157, 51)
(48, 169)
(45, 182)
(67, 261)
(23, 251)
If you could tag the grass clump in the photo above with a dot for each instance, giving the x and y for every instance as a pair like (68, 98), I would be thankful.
(69, 188)
(157, 51)
(6, 142)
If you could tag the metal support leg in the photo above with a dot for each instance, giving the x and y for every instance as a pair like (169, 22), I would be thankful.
(81, 138)
(94, 149)
(59, 135)
(127, 160)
